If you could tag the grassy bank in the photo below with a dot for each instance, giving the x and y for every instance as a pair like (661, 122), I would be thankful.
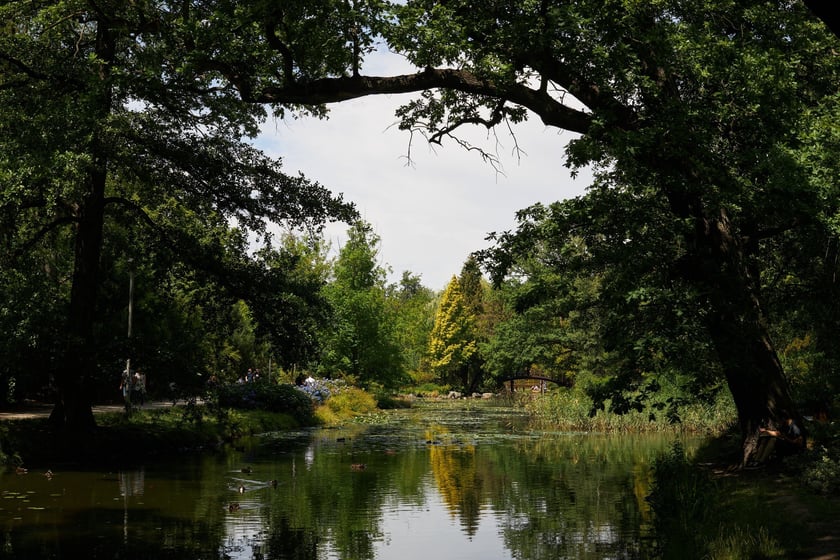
(233, 411)
(784, 510)
(572, 410)
(145, 434)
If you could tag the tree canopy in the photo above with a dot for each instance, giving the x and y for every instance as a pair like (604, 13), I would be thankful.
(691, 113)
(707, 124)
(101, 118)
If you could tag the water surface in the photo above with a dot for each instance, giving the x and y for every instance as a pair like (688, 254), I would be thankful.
(437, 482)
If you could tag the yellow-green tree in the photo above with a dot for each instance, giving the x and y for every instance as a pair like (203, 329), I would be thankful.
(453, 345)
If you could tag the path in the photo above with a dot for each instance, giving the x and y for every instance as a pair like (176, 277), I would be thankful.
(784, 496)
(42, 410)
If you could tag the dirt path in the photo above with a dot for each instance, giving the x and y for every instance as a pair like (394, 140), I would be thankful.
(825, 544)
(783, 496)
(42, 410)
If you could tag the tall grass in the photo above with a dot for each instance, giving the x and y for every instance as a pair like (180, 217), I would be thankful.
(572, 410)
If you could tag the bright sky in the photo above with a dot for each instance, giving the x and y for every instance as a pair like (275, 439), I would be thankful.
(431, 214)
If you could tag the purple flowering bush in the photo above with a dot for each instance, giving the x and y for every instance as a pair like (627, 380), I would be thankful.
(265, 396)
(319, 390)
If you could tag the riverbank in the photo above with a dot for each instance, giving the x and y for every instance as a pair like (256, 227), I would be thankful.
(706, 509)
(27, 440)
(783, 510)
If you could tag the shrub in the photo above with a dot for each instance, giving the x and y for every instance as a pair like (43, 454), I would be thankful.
(350, 402)
(266, 396)
(320, 390)
(818, 469)
(390, 402)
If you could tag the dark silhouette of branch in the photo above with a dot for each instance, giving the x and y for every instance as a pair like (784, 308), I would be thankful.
(332, 90)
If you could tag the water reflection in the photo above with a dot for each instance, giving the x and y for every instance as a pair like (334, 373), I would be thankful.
(437, 482)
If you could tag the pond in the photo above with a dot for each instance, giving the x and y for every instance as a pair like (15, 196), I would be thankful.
(436, 482)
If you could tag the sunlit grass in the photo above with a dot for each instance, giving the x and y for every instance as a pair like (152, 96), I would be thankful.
(347, 404)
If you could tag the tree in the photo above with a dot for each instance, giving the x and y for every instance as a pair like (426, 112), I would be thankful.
(595, 301)
(98, 112)
(413, 306)
(453, 347)
(694, 103)
(360, 341)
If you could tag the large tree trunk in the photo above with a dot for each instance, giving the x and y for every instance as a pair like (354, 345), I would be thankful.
(73, 405)
(72, 409)
(754, 375)
(738, 329)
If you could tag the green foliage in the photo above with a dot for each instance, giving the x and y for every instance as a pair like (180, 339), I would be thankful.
(413, 307)
(573, 409)
(823, 473)
(682, 499)
(107, 126)
(386, 401)
(818, 468)
(360, 342)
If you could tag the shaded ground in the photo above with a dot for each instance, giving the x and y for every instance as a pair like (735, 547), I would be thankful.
(818, 517)
(28, 440)
(30, 410)
(824, 530)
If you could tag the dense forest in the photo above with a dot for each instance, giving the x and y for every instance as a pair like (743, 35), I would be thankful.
(702, 260)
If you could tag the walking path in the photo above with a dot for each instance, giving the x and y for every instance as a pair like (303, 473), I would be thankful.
(42, 410)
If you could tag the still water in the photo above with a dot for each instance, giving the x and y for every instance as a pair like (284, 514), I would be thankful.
(437, 482)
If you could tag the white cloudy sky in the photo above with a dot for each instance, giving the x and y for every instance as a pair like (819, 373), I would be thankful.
(431, 214)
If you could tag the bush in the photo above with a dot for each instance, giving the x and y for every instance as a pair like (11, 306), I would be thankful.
(350, 402)
(573, 410)
(391, 402)
(320, 390)
(286, 399)
(818, 469)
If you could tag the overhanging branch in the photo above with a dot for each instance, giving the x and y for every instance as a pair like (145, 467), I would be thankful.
(333, 90)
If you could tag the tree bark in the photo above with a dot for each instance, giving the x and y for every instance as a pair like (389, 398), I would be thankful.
(73, 408)
(738, 329)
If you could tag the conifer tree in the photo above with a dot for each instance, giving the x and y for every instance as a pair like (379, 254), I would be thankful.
(453, 344)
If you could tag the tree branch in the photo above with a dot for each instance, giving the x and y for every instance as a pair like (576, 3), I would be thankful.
(281, 47)
(331, 90)
(136, 209)
(42, 233)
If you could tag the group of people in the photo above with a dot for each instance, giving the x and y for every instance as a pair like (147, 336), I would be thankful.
(133, 387)
(251, 376)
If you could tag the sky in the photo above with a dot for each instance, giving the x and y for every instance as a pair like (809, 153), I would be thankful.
(432, 212)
